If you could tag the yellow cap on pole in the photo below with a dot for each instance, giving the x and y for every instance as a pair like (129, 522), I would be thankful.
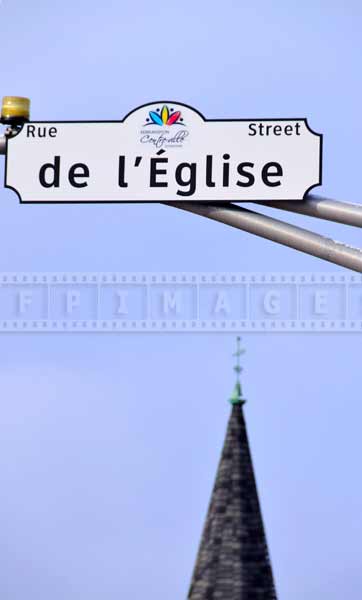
(15, 108)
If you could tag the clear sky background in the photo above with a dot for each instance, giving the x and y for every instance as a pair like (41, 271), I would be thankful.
(109, 444)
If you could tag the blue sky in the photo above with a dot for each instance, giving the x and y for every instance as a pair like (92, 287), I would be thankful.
(109, 444)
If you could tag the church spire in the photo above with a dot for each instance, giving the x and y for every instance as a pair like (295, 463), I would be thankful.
(233, 560)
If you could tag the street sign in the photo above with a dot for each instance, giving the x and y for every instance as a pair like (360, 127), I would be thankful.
(164, 152)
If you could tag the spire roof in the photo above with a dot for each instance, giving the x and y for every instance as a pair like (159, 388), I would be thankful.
(233, 559)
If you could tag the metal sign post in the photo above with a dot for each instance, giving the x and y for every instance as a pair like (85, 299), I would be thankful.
(169, 150)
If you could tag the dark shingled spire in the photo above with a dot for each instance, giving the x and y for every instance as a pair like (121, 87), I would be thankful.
(233, 560)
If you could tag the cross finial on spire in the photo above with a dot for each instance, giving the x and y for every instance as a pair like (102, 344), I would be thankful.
(239, 352)
(237, 395)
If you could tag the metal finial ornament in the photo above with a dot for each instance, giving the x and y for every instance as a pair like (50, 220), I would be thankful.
(239, 352)
(237, 395)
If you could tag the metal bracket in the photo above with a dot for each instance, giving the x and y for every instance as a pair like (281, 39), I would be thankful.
(2, 144)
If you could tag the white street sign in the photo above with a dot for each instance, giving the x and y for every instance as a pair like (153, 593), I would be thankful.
(164, 151)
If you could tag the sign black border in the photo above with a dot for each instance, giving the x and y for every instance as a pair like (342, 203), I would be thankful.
(304, 119)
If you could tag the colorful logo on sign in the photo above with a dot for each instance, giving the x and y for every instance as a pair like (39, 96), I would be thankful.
(164, 116)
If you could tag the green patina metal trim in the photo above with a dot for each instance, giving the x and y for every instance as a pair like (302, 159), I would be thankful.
(237, 395)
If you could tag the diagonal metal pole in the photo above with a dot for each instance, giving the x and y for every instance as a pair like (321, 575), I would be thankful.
(277, 231)
(322, 208)
(281, 232)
